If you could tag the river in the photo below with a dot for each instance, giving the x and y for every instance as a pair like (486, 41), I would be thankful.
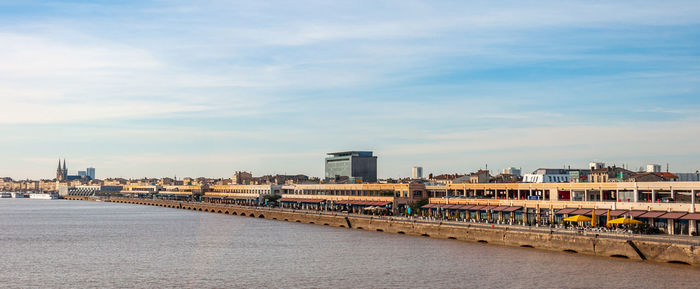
(76, 244)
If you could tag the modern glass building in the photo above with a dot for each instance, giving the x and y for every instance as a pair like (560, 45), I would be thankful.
(352, 164)
(91, 173)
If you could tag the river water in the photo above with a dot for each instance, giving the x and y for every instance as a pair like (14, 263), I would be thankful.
(73, 244)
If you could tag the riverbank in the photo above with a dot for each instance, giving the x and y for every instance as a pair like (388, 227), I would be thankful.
(627, 247)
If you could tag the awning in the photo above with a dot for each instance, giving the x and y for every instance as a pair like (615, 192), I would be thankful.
(512, 209)
(565, 211)
(488, 208)
(601, 212)
(672, 215)
(499, 209)
(691, 216)
(428, 206)
(615, 213)
(363, 203)
(466, 207)
(297, 200)
(634, 214)
(652, 214)
(477, 208)
(581, 212)
(453, 207)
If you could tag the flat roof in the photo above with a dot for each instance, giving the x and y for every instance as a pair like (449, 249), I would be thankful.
(349, 152)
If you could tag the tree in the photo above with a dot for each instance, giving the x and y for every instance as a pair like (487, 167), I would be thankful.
(415, 206)
(271, 200)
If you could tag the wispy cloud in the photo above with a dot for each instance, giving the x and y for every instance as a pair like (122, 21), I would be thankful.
(208, 87)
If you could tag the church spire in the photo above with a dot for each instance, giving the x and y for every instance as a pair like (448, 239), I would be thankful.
(64, 165)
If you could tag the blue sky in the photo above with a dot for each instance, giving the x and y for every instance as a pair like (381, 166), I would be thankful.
(163, 88)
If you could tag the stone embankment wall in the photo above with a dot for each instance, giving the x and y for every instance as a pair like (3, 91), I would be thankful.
(657, 251)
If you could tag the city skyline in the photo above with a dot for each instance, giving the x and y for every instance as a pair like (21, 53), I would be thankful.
(140, 88)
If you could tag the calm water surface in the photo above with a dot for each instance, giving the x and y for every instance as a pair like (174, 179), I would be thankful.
(71, 244)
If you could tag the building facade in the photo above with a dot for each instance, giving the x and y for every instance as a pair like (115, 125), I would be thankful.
(417, 173)
(352, 164)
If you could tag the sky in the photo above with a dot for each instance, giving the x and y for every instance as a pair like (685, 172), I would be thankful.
(206, 88)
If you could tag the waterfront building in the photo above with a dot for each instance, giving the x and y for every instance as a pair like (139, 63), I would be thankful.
(181, 192)
(352, 164)
(241, 194)
(417, 173)
(356, 197)
(88, 190)
(139, 189)
(670, 207)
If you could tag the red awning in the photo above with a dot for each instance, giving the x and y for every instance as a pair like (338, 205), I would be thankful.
(476, 208)
(361, 203)
(672, 215)
(499, 208)
(565, 211)
(616, 213)
(512, 209)
(428, 206)
(466, 207)
(651, 214)
(634, 214)
(296, 200)
(691, 216)
(581, 212)
(601, 212)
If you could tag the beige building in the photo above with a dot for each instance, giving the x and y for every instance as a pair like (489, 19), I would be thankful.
(241, 178)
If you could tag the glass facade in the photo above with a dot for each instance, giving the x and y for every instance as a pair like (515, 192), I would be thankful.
(356, 165)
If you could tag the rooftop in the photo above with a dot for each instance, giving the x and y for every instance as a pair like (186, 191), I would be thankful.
(351, 153)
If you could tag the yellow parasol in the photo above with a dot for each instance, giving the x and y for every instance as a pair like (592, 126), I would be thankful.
(577, 218)
(624, 221)
(593, 218)
(607, 220)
